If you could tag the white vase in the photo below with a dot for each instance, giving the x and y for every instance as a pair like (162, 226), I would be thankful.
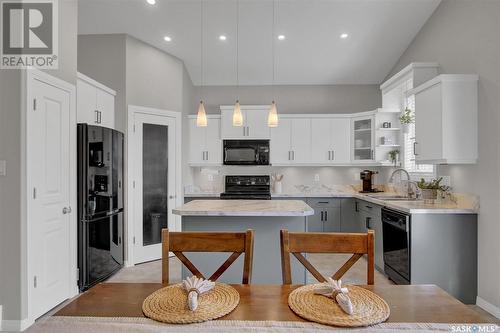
(406, 128)
(278, 187)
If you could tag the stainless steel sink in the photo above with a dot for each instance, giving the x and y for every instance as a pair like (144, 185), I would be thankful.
(391, 197)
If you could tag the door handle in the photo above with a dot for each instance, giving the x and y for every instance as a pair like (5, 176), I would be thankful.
(244, 131)
(96, 113)
(322, 215)
(415, 148)
(289, 155)
(329, 155)
(293, 155)
(66, 210)
(100, 117)
(333, 155)
(172, 196)
(207, 156)
(248, 131)
(326, 215)
(368, 222)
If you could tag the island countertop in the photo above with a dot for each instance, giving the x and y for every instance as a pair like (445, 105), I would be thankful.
(244, 208)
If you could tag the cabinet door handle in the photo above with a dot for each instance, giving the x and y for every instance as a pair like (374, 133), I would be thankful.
(322, 215)
(329, 155)
(289, 155)
(373, 155)
(356, 208)
(96, 117)
(293, 155)
(248, 131)
(100, 117)
(367, 221)
(326, 215)
(333, 155)
(415, 148)
(207, 156)
(369, 207)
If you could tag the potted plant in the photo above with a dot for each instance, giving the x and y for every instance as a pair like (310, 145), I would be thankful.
(407, 118)
(394, 156)
(430, 189)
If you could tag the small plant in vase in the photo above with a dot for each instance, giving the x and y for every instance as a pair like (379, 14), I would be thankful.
(407, 118)
(430, 189)
(394, 157)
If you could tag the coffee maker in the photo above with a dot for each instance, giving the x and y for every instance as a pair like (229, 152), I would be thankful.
(367, 176)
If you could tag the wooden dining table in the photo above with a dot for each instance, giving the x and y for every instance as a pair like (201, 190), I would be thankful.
(408, 303)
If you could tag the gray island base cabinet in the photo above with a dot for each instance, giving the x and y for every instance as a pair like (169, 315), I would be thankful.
(266, 227)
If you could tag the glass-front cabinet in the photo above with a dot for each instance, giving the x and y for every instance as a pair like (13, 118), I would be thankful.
(363, 139)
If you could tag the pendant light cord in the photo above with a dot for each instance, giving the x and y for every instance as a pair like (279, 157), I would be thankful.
(237, 48)
(273, 49)
(201, 47)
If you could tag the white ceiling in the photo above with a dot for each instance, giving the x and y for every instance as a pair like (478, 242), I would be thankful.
(312, 53)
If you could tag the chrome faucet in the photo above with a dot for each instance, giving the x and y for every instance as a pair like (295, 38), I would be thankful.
(409, 192)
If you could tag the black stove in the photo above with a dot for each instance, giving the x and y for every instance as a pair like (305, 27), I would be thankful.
(247, 188)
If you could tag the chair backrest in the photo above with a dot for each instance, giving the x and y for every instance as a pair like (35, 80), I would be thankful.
(297, 243)
(236, 242)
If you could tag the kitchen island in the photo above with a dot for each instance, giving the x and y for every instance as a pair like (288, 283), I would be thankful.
(265, 217)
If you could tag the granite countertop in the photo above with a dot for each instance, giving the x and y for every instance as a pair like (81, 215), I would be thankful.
(461, 203)
(244, 208)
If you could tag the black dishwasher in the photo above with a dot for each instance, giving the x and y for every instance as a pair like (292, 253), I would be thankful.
(397, 254)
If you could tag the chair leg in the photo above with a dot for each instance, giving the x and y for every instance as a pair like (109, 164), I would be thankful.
(164, 256)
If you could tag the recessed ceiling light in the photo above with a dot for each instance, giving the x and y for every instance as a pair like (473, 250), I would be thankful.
(281, 37)
(151, 2)
(344, 36)
(222, 37)
(167, 38)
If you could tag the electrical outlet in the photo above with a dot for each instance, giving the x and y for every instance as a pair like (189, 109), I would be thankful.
(3, 168)
(316, 178)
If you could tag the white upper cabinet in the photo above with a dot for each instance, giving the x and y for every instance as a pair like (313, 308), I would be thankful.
(95, 102)
(446, 120)
(362, 139)
(330, 140)
(205, 147)
(291, 141)
(254, 123)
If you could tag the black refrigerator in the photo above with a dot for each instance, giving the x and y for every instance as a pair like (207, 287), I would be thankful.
(100, 204)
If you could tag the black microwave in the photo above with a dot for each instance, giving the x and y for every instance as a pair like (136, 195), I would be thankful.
(246, 152)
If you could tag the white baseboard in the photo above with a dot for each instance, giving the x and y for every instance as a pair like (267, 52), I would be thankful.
(487, 306)
(15, 325)
(126, 263)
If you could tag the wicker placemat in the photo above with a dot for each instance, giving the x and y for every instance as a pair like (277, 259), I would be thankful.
(169, 304)
(368, 308)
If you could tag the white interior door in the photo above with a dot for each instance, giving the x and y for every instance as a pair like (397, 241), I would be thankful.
(48, 168)
(154, 194)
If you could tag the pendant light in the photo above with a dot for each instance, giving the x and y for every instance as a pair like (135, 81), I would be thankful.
(201, 118)
(237, 115)
(272, 118)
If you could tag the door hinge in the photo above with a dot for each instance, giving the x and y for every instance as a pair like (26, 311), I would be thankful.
(133, 240)
(34, 192)
(34, 104)
(34, 282)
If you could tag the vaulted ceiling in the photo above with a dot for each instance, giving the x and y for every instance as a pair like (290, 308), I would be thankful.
(312, 52)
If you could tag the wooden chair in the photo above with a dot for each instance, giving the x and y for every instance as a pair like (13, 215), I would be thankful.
(310, 242)
(236, 242)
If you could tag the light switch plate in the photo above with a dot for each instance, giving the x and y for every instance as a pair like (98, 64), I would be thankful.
(3, 168)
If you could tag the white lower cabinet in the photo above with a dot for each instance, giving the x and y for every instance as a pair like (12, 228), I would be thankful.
(330, 140)
(205, 147)
(95, 102)
(291, 141)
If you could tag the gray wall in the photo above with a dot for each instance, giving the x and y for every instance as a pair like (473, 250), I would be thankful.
(295, 99)
(12, 227)
(463, 36)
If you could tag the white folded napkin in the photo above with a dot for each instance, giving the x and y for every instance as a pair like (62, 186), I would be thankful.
(195, 287)
(333, 288)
